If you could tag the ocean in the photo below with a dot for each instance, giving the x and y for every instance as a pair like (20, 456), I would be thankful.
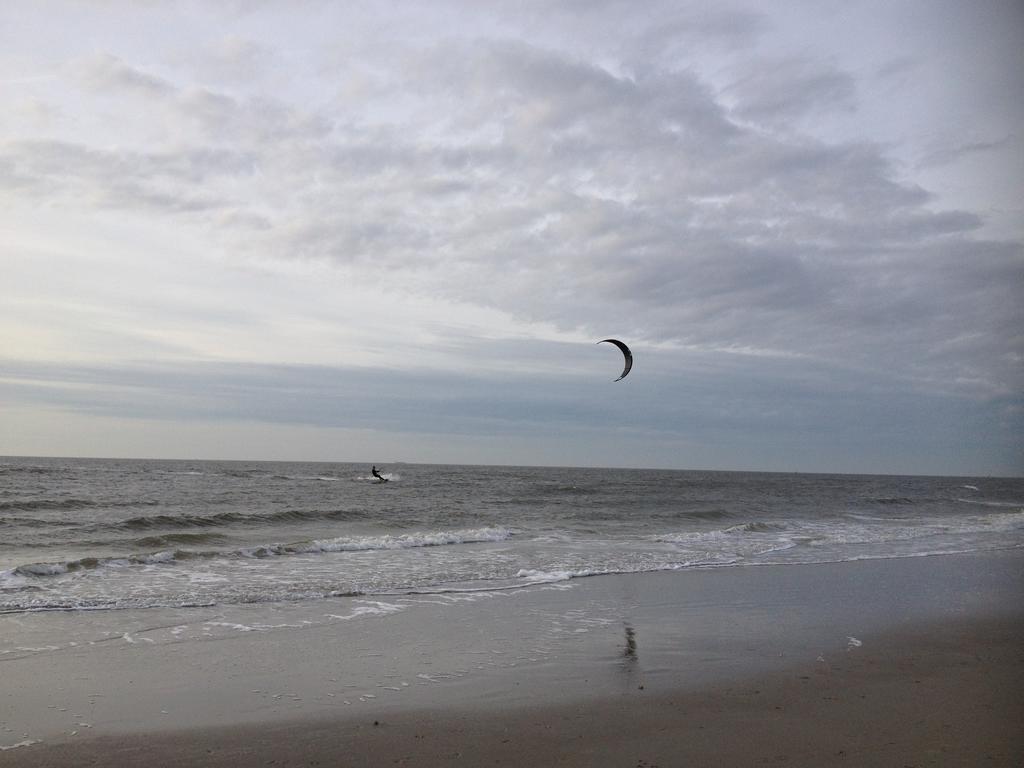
(107, 535)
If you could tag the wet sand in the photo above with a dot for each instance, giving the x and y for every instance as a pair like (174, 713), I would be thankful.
(948, 696)
(892, 663)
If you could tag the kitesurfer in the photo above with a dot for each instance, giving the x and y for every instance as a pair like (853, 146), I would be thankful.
(375, 473)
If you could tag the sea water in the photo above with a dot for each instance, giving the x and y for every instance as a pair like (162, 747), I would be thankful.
(106, 535)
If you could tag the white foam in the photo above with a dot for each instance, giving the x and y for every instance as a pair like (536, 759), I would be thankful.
(741, 531)
(385, 475)
(230, 625)
(547, 577)
(40, 569)
(368, 608)
(920, 536)
(405, 541)
(25, 743)
(166, 556)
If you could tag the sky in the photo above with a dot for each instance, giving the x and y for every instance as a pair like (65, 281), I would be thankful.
(394, 231)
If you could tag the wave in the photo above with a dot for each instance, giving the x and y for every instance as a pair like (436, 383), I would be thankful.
(91, 563)
(861, 530)
(28, 469)
(1001, 504)
(167, 539)
(317, 546)
(691, 537)
(371, 543)
(33, 522)
(738, 545)
(531, 577)
(706, 514)
(29, 505)
(145, 522)
(756, 527)
(63, 505)
(250, 474)
(1008, 521)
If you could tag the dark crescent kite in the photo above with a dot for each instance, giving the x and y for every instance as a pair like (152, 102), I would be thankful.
(625, 353)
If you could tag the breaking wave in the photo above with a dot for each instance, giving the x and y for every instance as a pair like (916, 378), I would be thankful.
(316, 546)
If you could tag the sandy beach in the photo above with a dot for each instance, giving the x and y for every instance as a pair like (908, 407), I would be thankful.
(915, 661)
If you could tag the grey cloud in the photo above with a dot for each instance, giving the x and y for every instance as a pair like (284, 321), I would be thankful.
(250, 121)
(675, 39)
(949, 155)
(222, 117)
(52, 158)
(537, 96)
(783, 90)
(173, 182)
(895, 67)
(104, 71)
(208, 107)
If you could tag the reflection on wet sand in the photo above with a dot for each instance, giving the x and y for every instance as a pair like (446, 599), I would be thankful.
(630, 651)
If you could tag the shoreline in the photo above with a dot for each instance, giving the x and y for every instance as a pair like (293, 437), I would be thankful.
(735, 663)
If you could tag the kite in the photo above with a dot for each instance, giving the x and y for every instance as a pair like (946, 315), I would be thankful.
(625, 353)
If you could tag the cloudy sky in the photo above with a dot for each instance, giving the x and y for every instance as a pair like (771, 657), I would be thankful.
(383, 232)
